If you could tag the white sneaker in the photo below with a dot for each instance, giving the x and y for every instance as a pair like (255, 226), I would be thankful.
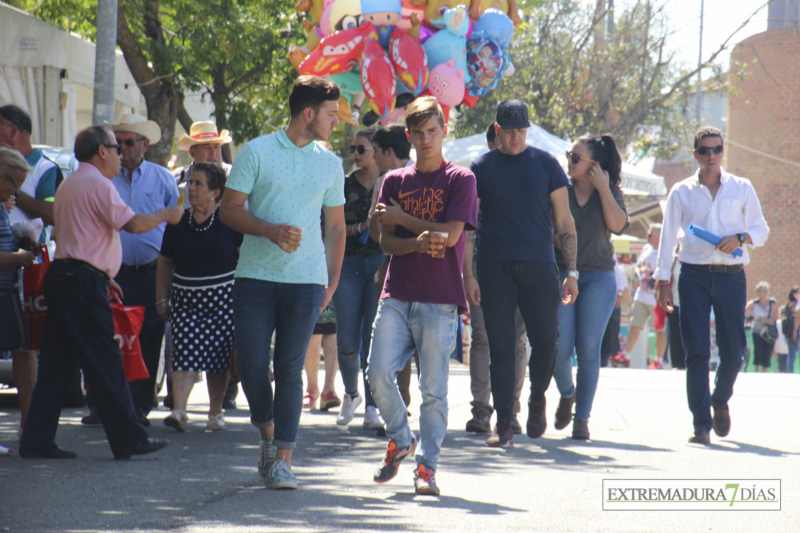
(348, 410)
(372, 418)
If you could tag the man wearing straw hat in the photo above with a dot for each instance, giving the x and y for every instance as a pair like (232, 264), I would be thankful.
(204, 144)
(146, 187)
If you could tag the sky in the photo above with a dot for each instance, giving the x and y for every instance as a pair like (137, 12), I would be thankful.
(721, 19)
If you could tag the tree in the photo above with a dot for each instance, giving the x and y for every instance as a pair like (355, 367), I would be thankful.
(231, 50)
(576, 79)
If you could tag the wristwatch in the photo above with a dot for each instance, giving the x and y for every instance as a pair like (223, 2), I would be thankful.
(573, 274)
(741, 238)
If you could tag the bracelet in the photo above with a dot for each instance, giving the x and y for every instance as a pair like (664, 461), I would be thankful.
(360, 229)
(162, 301)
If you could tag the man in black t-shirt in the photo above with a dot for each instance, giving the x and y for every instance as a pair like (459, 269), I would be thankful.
(519, 187)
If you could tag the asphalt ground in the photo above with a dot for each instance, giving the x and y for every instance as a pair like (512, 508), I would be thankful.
(208, 481)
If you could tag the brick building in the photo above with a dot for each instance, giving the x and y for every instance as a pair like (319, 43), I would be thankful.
(763, 145)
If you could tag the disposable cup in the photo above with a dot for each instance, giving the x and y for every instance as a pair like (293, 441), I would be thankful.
(444, 235)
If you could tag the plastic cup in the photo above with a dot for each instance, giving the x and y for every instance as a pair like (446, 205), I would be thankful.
(444, 235)
(293, 247)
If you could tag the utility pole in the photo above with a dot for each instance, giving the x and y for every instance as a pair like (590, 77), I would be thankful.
(105, 61)
(698, 110)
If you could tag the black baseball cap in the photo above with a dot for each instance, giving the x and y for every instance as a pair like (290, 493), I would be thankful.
(513, 115)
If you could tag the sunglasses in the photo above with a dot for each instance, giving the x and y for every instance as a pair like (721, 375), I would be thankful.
(17, 186)
(360, 149)
(576, 158)
(118, 147)
(705, 150)
(130, 142)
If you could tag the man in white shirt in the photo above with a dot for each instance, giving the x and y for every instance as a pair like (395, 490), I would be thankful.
(727, 206)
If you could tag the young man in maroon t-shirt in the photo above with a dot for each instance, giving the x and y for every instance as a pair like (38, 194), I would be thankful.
(423, 294)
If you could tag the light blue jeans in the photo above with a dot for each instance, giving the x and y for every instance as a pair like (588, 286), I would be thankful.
(581, 327)
(356, 301)
(400, 327)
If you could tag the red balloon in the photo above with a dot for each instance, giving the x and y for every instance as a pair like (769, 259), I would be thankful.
(409, 60)
(339, 52)
(377, 78)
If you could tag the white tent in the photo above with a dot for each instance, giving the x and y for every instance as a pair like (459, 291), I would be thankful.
(49, 72)
(634, 180)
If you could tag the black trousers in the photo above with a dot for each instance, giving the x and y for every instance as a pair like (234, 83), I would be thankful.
(533, 287)
(677, 354)
(610, 345)
(139, 287)
(79, 331)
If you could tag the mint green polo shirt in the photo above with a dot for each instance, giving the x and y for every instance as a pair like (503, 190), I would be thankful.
(286, 185)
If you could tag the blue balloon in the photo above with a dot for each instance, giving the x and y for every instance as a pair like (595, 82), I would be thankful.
(496, 25)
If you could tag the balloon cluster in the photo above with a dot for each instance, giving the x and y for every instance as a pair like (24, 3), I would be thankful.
(385, 53)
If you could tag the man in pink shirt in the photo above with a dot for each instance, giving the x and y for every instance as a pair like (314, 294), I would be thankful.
(79, 327)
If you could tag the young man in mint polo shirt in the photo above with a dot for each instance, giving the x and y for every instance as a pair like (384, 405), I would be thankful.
(287, 271)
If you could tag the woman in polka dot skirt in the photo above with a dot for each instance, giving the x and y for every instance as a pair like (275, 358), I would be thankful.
(199, 257)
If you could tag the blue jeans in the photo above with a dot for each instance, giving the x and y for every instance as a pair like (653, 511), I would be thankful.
(700, 291)
(290, 310)
(792, 356)
(356, 301)
(400, 328)
(580, 328)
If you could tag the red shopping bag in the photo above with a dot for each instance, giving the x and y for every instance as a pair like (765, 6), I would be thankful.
(127, 325)
(33, 304)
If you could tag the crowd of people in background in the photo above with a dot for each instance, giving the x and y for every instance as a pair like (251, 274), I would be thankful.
(247, 272)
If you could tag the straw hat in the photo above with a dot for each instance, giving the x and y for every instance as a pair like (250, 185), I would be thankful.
(203, 133)
(138, 124)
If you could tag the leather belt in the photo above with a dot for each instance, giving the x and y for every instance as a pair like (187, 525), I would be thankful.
(137, 268)
(719, 269)
(85, 265)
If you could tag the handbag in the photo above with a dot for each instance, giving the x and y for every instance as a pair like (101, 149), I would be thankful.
(128, 321)
(13, 333)
(34, 305)
(769, 333)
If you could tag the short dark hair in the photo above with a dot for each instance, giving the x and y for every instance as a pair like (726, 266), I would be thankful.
(491, 132)
(215, 176)
(604, 150)
(393, 136)
(311, 91)
(707, 131)
(18, 117)
(88, 142)
(423, 109)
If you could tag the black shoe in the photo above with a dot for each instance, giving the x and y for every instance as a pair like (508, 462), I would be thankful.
(169, 402)
(149, 445)
(228, 404)
(516, 428)
(537, 422)
(142, 419)
(49, 452)
(722, 421)
(92, 419)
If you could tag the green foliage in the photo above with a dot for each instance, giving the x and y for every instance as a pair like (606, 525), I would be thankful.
(577, 81)
(231, 51)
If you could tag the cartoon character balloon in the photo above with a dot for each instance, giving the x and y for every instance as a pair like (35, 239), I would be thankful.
(409, 61)
(446, 83)
(384, 15)
(377, 78)
(450, 43)
(338, 52)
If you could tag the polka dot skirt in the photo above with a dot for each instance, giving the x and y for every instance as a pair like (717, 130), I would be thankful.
(202, 327)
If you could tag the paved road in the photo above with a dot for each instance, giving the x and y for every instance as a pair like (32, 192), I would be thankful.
(207, 481)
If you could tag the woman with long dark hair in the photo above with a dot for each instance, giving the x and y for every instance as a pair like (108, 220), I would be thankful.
(598, 207)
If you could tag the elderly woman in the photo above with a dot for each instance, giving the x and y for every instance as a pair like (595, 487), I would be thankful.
(199, 255)
(764, 311)
(13, 334)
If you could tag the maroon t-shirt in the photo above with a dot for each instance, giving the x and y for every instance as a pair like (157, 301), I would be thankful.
(448, 193)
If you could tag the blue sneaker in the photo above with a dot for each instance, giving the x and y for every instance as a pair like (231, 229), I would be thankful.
(394, 456)
(282, 475)
(425, 481)
(266, 458)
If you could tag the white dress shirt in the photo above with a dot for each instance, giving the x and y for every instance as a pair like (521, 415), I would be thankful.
(735, 209)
